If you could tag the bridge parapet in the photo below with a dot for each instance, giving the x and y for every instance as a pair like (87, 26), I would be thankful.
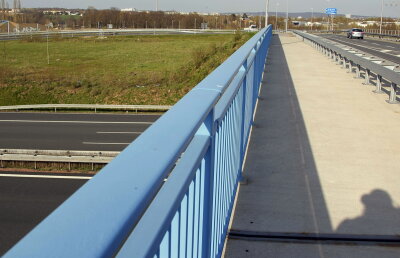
(172, 190)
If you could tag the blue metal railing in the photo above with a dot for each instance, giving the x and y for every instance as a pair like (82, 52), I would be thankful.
(170, 193)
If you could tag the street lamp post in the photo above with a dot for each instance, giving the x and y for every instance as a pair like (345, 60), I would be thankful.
(380, 26)
(276, 16)
(312, 18)
(266, 13)
(287, 15)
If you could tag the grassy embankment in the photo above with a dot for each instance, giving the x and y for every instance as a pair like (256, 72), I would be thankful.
(117, 70)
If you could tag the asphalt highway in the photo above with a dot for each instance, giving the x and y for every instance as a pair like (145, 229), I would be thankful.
(379, 48)
(25, 200)
(107, 33)
(65, 131)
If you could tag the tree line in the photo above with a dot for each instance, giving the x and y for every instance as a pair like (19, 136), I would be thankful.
(93, 18)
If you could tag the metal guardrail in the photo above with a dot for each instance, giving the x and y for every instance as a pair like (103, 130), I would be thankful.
(107, 33)
(358, 61)
(382, 35)
(171, 192)
(94, 107)
(56, 156)
(395, 35)
(56, 153)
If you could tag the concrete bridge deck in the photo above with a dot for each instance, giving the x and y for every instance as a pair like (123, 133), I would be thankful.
(324, 158)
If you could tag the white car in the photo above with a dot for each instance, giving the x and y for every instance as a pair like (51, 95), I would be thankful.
(355, 33)
(252, 27)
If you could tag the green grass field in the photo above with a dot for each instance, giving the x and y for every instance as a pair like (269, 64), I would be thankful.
(116, 70)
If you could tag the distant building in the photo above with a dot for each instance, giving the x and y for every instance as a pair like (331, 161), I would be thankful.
(367, 23)
(129, 10)
(298, 23)
(348, 16)
(204, 25)
(62, 12)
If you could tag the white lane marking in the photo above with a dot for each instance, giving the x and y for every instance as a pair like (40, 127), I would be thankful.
(75, 122)
(43, 176)
(119, 132)
(376, 49)
(106, 143)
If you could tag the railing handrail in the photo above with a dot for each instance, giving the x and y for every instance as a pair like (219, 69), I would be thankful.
(98, 218)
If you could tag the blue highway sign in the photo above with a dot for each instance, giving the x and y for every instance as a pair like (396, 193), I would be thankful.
(331, 11)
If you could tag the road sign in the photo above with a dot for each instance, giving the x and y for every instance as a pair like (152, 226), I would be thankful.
(331, 11)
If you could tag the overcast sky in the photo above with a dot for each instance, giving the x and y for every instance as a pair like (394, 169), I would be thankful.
(359, 7)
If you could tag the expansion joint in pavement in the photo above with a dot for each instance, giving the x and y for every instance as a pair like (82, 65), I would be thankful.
(313, 237)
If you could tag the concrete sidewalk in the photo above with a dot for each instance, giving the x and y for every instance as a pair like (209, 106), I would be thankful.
(324, 158)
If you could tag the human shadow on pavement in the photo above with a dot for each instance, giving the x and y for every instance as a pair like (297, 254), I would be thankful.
(380, 217)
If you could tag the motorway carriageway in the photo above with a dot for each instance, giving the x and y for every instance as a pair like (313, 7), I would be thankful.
(386, 50)
(26, 199)
(66, 131)
(108, 33)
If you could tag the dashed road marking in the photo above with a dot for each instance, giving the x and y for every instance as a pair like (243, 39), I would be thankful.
(119, 132)
(74, 122)
(106, 143)
(46, 176)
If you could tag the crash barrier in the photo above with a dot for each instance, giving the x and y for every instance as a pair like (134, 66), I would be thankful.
(359, 62)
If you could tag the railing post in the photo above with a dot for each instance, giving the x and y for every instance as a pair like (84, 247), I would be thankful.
(378, 89)
(350, 66)
(209, 188)
(367, 75)
(392, 97)
(243, 128)
(255, 84)
(358, 71)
